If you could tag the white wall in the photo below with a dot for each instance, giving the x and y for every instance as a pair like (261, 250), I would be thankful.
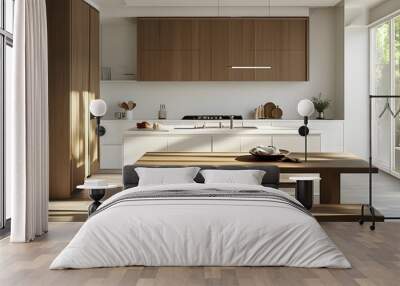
(339, 99)
(356, 78)
(234, 97)
(356, 91)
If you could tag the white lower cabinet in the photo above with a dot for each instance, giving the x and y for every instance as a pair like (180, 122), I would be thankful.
(251, 141)
(136, 146)
(296, 143)
(223, 143)
(118, 148)
(114, 156)
(111, 156)
(189, 143)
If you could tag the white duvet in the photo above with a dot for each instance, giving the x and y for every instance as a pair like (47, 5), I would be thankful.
(202, 232)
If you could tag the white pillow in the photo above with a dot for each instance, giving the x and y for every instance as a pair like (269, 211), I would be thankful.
(166, 176)
(247, 177)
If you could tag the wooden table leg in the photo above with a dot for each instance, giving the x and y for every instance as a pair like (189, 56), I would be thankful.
(330, 187)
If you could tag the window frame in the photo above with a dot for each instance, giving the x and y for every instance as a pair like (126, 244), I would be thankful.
(6, 39)
(391, 19)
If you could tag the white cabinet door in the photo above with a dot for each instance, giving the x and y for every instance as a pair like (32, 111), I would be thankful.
(229, 143)
(251, 141)
(331, 134)
(295, 143)
(111, 156)
(115, 131)
(226, 143)
(136, 146)
(189, 143)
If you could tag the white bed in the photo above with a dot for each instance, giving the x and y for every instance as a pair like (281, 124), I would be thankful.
(200, 231)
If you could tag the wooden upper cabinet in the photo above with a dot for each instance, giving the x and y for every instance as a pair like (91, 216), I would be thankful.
(219, 41)
(168, 50)
(283, 45)
(206, 49)
(202, 52)
(241, 49)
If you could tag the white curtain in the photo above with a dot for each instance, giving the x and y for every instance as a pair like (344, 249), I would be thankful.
(27, 117)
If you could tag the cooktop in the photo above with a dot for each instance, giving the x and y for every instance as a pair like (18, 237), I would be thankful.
(212, 117)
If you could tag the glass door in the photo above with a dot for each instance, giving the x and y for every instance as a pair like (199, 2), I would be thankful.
(6, 67)
(396, 83)
(381, 85)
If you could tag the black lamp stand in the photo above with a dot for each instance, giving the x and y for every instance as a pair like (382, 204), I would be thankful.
(304, 131)
(100, 130)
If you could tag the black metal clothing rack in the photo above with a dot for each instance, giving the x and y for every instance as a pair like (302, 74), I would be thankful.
(370, 202)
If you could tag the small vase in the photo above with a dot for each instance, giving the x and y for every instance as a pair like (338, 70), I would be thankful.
(321, 115)
(129, 114)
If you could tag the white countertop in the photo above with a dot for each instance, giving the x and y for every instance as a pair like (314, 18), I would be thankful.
(227, 131)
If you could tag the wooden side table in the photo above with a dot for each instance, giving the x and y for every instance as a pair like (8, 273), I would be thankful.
(96, 193)
(305, 190)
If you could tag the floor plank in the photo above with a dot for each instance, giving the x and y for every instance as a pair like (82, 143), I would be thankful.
(375, 257)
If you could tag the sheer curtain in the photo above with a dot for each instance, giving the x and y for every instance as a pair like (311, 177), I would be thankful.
(28, 124)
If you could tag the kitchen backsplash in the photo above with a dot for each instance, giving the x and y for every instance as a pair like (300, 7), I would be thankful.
(183, 98)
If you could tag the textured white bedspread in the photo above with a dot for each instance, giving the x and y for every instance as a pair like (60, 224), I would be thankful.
(200, 231)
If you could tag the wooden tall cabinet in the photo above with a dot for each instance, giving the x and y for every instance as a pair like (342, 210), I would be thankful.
(206, 49)
(74, 80)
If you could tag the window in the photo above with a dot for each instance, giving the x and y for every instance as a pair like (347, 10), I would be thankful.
(385, 80)
(6, 66)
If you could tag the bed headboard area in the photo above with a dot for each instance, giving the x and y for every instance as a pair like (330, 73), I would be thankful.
(271, 177)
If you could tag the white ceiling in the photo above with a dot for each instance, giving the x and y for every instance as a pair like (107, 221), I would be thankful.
(214, 3)
(357, 11)
(200, 8)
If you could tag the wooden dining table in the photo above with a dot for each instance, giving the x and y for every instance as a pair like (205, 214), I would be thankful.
(329, 166)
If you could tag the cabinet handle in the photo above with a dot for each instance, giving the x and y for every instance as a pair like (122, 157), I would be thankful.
(251, 67)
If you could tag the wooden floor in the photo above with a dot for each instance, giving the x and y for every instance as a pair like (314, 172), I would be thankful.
(375, 257)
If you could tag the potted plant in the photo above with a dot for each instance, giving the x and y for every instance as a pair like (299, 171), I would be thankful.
(320, 105)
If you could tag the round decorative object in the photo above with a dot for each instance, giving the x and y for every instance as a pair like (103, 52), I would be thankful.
(305, 107)
(100, 130)
(303, 130)
(268, 107)
(277, 113)
(98, 107)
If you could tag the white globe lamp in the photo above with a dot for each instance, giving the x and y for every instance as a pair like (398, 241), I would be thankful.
(98, 109)
(305, 108)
